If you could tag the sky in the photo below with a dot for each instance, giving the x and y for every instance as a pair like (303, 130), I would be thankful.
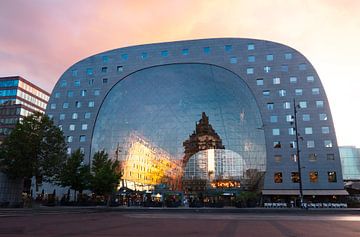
(40, 39)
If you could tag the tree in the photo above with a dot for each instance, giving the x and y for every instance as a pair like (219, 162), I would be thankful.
(34, 148)
(74, 173)
(105, 174)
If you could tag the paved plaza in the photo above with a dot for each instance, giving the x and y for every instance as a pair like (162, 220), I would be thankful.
(102, 222)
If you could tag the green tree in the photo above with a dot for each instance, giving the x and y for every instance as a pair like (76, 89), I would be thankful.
(75, 174)
(34, 148)
(105, 174)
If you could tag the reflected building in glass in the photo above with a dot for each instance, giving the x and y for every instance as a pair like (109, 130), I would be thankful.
(141, 104)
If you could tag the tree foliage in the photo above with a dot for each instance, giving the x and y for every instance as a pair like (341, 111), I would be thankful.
(35, 147)
(74, 173)
(105, 174)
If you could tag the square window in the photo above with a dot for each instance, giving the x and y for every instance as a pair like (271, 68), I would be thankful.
(330, 156)
(124, 56)
(278, 177)
(277, 158)
(291, 131)
(62, 117)
(70, 93)
(105, 80)
(251, 58)
(332, 177)
(315, 91)
(65, 105)
(276, 80)
(298, 91)
(295, 177)
(233, 60)
(72, 127)
(185, 52)
(89, 71)
(310, 78)
(310, 144)
(269, 57)
(276, 131)
(69, 138)
(91, 82)
(306, 117)
(51, 116)
(292, 144)
(105, 58)
(308, 130)
(104, 69)
(293, 80)
(277, 144)
(303, 104)
(63, 83)
(250, 46)
(273, 119)
(77, 83)
(228, 48)
(249, 70)
(312, 157)
(53, 106)
(164, 53)
(87, 115)
(68, 150)
(286, 105)
(266, 93)
(84, 126)
(96, 92)
(319, 104)
(282, 93)
(74, 116)
(288, 56)
(293, 157)
(270, 106)
(82, 138)
(302, 66)
(206, 50)
(260, 82)
(91, 104)
(60, 127)
(74, 73)
(289, 118)
(144, 55)
(323, 117)
(325, 130)
(119, 68)
(267, 69)
(313, 176)
(284, 68)
(77, 104)
(57, 95)
(83, 92)
(328, 143)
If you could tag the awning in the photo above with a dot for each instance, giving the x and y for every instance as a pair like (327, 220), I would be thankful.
(305, 192)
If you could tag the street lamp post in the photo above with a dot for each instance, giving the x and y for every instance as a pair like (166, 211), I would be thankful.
(298, 153)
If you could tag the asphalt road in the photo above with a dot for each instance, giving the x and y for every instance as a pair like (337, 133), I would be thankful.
(91, 224)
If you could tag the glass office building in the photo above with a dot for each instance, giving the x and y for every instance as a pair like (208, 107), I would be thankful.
(350, 163)
(218, 108)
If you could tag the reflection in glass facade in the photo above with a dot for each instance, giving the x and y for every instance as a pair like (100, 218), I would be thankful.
(350, 162)
(163, 103)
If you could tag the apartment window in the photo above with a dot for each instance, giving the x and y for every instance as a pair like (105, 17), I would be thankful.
(332, 177)
(60, 127)
(144, 55)
(228, 48)
(185, 52)
(91, 104)
(295, 177)
(312, 157)
(277, 144)
(65, 105)
(105, 58)
(124, 56)
(288, 56)
(63, 83)
(310, 79)
(266, 93)
(77, 83)
(298, 91)
(206, 50)
(267, 69)
(276, 80)
(53, 106)
(119, 68)
(323, 117)
(62, 117)
(87, 115)
(306, 117)
(269, 57)
(286, 105)
(250, 46)
(89, 71)
(325, 130)
(57, 95)
(276, 131)
(96, 92)
(319, 104)
(308, 130)
(328, 143)
(251, 58)
(270, 106)
(233, 60)
(72, 127)
(293, 80)
(82, 138)
(292, 144)
(278, 177)
(282, 93)
(74, 116)
(313, 176)
(69, 138)
(74, 73)
(84, 126)
(273, 119)
(310, 144)
(105, 80)
(70, 93)
(249, 70)
(291, 131)
(277, 158)
(284, 68)
(289, 118)
(315, 91)
(104, 69)
(303, 104)
(302, 67)
(164, 53)
(293, 157)
(330, 156)
(91, 82)
(77, 104)
(51, 116)
(68, 150)
(260, 82)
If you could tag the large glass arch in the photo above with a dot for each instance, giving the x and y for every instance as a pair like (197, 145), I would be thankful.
(147, 117)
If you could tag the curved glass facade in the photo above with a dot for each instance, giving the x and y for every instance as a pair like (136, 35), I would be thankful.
(161, 105)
